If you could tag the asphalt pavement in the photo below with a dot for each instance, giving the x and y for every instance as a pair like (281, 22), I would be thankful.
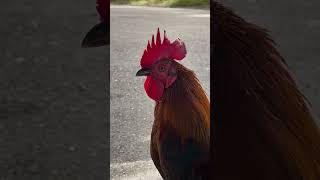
(131, 109)
(53, 103)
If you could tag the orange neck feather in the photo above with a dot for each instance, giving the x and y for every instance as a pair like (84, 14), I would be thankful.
(185, 108)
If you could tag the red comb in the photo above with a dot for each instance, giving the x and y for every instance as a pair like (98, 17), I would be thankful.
(103, 9)
(165, 50)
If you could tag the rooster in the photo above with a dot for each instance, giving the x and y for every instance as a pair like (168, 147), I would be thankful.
(262, 128)
(99, 34)
(180, 135)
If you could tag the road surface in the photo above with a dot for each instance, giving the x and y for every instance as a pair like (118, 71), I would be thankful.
(53, 104)
(131, 109)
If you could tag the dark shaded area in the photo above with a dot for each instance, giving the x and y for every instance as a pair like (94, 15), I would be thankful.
(253, 141)
(54, 105)
(295, 27)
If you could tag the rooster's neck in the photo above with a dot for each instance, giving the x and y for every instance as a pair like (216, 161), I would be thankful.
(185, 108)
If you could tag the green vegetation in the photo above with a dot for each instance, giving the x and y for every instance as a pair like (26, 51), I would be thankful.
(165, 3)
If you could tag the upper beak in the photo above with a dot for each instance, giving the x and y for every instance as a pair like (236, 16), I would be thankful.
(143, 72)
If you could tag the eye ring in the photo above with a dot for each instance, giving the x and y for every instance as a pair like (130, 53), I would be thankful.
(162, 68)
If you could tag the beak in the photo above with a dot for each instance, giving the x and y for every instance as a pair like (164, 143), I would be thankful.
(97, 36)
(143, 72)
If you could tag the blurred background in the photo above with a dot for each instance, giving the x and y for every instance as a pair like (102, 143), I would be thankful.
(54, 109)
(165, 3)
(295, 27)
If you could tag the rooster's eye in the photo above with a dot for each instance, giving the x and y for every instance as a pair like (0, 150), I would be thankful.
(161, 68)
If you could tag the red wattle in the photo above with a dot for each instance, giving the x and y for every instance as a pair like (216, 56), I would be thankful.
(154, 88)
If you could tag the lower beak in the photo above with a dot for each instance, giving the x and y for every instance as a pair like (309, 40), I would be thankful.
(143, 72)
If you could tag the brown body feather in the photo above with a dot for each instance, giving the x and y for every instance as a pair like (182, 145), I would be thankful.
(183, 112)
(262, 126)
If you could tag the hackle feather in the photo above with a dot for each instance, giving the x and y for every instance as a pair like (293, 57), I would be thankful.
(262, 125)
